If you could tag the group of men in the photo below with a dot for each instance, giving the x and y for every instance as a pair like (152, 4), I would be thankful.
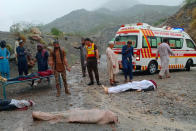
(89, 58)
(24, 62)
(56, 59)
(163, 52)
(89, 55)
(113, 65)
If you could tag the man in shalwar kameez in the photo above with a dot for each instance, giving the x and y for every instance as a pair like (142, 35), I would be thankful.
(144, 85)
(127, 54)
(164, 51)
(82, 56)
(22, 59)
(112, 63)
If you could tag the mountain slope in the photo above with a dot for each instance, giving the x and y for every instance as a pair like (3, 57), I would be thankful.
(115, 5)
(93, 21)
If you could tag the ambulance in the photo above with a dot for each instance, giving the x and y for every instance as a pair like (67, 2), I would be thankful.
(146, 40)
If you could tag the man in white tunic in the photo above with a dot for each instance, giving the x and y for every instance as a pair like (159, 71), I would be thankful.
(144, 85)
(15, 46)
(112, 63)
(164, 51)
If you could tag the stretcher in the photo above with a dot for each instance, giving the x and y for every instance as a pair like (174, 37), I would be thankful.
(5, 84)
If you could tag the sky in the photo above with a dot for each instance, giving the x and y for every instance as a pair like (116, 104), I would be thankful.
(45, 11)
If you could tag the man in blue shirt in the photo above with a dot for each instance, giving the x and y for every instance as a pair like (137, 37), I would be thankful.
(42, 61)
(127, 54)
(22, 59)
(42, 58)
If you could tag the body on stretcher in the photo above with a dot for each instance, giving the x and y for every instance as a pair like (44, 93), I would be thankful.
(22, 79)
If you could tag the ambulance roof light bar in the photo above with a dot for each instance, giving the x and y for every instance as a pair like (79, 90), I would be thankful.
(139, 24)
(122, 26)
(178, 29)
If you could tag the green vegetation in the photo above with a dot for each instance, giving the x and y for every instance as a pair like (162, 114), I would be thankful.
(56, 32)
(24, 27)
(43, 42)
(189, 1)
(9, 47)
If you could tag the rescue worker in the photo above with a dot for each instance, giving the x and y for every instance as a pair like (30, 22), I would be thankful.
(127, 54)
(22, 59)
(112, 63)
(92, 58)
(4, 60)
(82, 56)
(59, 65)
(165, 51)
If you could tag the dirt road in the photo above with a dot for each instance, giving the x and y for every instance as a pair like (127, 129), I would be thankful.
(171, 108)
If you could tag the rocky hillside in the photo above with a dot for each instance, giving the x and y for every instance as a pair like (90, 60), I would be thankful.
(93, 21)
(184, 18)
(67, 44)
(104, 36)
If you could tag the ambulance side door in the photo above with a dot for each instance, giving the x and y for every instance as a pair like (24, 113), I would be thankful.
(191, 50)
(176, 44)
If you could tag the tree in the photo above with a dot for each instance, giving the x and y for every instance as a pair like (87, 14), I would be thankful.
(16, 28)
(189, 1)
(55, 31)
(24, 27)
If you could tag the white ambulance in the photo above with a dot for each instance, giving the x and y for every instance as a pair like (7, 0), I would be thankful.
(146, 40)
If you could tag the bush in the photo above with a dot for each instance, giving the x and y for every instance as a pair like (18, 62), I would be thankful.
(9, 47)
(24, 27)
(56, 32)
(43, 42)
(189, 1)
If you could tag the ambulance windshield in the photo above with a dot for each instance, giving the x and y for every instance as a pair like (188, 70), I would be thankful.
(122, 40)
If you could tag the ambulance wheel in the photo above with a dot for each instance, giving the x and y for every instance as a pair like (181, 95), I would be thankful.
(152, 67)
(188, 65)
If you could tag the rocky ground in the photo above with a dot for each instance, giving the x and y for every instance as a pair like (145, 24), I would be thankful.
(171, 108)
